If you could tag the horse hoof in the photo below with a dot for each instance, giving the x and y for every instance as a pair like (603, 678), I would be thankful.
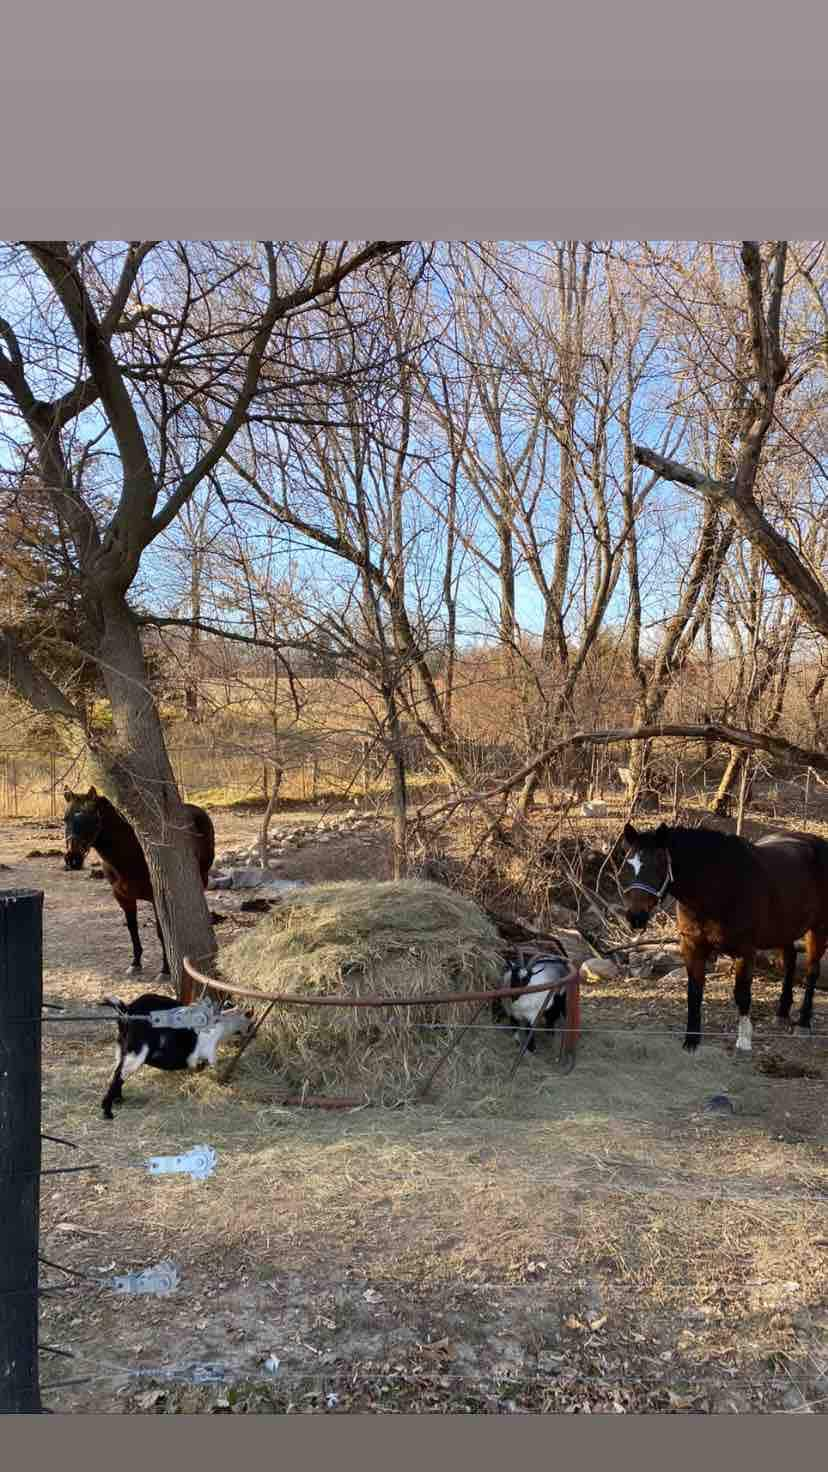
(690, 1045)
(136, 966)
(783, 1022)
(803, 1030)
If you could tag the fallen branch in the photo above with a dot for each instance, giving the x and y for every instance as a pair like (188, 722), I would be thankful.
(713, 731)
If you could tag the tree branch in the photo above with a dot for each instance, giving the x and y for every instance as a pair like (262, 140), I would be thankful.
(806, 590)
(712, 731)
(129, 531)
(30, 683)
(277, 308)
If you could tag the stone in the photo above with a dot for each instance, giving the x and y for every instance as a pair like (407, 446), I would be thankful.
(594, 810)
(577, 948)
(678, 976)
(550, 1362)
(276, 887)
(219, 880)
(247, 878)
(666, 961)
(794, 1400)
(599, 968)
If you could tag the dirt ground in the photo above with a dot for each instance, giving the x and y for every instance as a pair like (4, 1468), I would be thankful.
(533, 1250)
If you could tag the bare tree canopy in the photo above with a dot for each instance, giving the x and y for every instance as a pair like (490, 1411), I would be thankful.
(421, 504)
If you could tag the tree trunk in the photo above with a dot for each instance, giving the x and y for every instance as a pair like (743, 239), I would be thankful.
(399, 794)
(639, 759)
(732, 773)
(142, 784)
(273, 801)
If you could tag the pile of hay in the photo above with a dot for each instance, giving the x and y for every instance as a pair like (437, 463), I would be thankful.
(353, 939)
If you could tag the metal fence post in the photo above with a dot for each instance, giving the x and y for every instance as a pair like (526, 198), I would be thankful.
(21, 999)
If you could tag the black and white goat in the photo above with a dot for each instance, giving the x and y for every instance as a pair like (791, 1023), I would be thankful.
(139, 1042)
(523, 1011)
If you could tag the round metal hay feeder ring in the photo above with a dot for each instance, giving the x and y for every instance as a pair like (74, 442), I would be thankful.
(570, 1033)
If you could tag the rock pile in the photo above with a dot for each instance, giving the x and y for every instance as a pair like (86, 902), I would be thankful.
(241, 868)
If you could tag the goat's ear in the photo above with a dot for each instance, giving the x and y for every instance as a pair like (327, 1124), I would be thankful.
(68, 794)
(630, 835)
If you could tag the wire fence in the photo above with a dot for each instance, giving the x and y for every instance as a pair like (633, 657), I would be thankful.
(32, 784)
(574, 1172)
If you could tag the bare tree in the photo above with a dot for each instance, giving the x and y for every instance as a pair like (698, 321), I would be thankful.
(109, 355)
(736, 496)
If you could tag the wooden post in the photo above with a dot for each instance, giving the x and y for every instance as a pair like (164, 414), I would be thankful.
(52, 785)
(21, 999)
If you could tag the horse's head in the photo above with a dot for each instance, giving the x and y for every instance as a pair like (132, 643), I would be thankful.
(82, 824)
(647, 873)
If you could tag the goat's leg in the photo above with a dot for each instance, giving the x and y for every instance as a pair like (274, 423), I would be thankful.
(128, 1063)
(114, 1092)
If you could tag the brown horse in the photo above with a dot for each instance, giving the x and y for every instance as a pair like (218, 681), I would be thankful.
(90, 821)
(734, 898)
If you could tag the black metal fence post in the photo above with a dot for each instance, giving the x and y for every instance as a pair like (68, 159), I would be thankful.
(21, 997)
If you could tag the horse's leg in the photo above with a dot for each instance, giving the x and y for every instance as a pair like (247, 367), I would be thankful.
(130, 910)
(165, 969)
(786, 996)
(815, 943)
(695, 959)
(741, 996)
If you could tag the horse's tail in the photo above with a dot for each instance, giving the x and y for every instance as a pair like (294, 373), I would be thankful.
(819, 849)
(206, 838)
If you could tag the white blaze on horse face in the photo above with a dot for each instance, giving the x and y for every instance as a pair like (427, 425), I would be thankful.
(743, 1044)
(634, 862)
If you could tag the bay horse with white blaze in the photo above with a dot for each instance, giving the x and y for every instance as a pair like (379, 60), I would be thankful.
(91, 821)
(734, 898)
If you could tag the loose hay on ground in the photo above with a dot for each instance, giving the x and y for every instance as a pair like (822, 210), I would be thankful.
(403, 938)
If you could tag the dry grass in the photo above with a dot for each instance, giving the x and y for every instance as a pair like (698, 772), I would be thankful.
(483, 1219)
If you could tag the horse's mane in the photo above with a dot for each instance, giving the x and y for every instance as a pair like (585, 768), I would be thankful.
(109, 811)
(707, 843)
